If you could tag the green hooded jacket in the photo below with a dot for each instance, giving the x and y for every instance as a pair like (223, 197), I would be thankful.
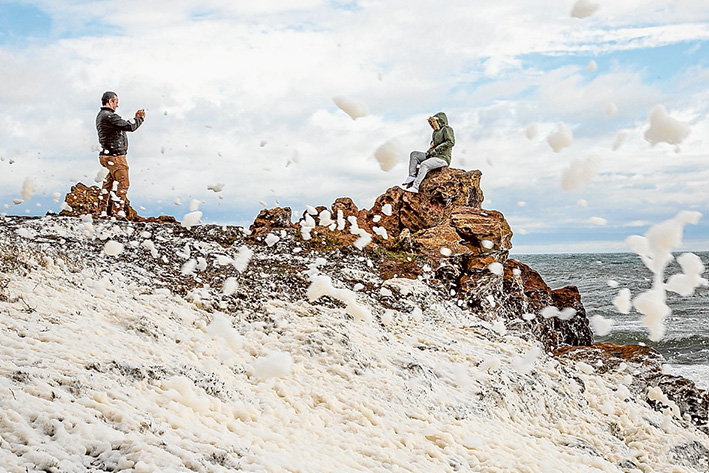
(443, 140)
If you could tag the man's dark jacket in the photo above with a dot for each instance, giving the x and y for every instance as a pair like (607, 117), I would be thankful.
(112, 129)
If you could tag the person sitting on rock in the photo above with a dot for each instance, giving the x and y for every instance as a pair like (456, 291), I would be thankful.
(437, 156)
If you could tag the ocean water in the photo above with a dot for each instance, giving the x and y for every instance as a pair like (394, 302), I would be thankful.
(685, 345)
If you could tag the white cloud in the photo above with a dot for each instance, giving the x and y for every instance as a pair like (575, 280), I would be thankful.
(221, 78)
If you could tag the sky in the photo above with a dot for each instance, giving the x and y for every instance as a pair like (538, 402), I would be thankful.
(241, 94)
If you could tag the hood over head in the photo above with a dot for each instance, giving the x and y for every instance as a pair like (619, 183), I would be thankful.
(442, 119)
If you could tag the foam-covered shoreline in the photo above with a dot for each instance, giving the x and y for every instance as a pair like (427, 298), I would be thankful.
(135, 362)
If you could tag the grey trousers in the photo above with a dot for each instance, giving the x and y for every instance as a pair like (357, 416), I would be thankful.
(424, 164)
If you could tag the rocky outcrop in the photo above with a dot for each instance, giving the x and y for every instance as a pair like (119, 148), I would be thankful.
(84, 200)
(444, 227)
(271, 219)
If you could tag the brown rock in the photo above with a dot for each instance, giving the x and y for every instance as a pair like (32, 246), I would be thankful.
(463, 233)
(440, 193)
(347, 206)
(85, 200)
(271, 219)
(608, 356)
(476, 226)
(527, 293)
(434, 239)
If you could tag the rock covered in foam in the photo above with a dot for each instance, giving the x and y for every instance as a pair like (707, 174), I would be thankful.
(84, 200)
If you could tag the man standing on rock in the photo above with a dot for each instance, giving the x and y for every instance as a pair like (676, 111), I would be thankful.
(112, 130)
(437, 156)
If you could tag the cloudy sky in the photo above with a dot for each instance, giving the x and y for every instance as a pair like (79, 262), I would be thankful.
(241, 94)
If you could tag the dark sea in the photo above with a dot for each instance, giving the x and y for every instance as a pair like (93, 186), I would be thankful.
(685, 345)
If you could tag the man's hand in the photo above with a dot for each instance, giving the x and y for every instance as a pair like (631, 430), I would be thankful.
(140, 113)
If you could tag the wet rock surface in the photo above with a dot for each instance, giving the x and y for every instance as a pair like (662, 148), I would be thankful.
(645, 364)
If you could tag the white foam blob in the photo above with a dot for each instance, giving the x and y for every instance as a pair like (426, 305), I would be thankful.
(578, 173)
(531, 131)
(601, 325)
(664, 128)
(274, 365)
(619, 140)
(386, 155)
(191, 219)
(496, 268)
(561, 138)
(354, 108)
(28, 188)
(113, 248)
(655, 251)
(622, 301)
(584, 9)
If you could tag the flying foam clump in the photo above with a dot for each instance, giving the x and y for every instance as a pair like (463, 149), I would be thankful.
(601, 325)
(354, 108)
(326, 219)
(655, 251)
(272, 239)
(584, 9)
(386, 154)
(101, 175)
(241, 261)
(619, 140)
(579, 172)
(561, 138)
(664, 128)
(622, 301)
(691, 278)
(191, 219)
(28, 188)
(566, 313)
(496, 268)
(532, 131)
(230, 286)
(218, 187)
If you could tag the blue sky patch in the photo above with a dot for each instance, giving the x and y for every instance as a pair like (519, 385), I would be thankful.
(19, 22)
